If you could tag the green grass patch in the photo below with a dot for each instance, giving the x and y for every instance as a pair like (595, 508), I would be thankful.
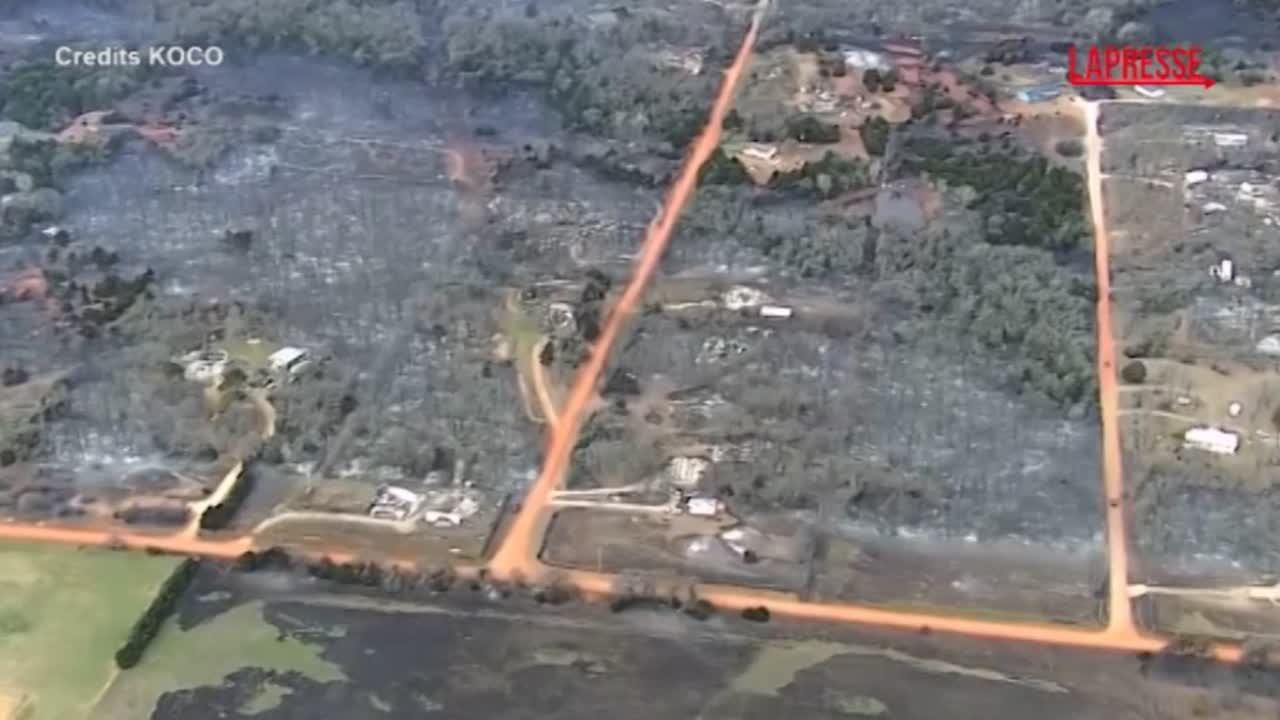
(205, 655)
(63, 614)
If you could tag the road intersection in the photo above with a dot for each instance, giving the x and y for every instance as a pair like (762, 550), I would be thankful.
(517, 557)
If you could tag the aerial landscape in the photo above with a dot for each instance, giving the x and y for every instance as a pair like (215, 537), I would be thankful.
(411, 358)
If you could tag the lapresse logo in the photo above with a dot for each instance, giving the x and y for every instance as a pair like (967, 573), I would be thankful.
(1136, 65)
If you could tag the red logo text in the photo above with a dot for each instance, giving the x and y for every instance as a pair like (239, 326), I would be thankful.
(1136, 65)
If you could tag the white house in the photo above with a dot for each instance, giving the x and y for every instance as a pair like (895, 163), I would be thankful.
(1212, 440)
(1195, 177)
(775, 311)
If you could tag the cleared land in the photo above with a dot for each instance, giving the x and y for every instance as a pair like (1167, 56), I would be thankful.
(63, 614)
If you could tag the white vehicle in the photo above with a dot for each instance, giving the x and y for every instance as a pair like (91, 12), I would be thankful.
(288, 359)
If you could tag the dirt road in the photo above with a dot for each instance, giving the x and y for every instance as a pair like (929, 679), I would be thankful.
(179, 543)
(1119, 609)
(517, 556)
(540, 387)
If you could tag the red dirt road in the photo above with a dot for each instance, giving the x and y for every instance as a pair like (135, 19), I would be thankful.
(518, 554)
(517, 557)
(1119, 607)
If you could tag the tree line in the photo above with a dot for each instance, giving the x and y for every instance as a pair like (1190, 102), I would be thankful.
(162, 606)
(220, 515)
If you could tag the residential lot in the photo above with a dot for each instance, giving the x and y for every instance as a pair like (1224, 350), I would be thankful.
(1194, 209)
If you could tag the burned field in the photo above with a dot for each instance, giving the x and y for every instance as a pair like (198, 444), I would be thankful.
(1194, 212)
(836, 451)
(870, 352)
(307, 650)
(311, 279)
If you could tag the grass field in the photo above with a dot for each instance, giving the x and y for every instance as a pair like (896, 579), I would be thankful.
(205, 655)
(63, 613)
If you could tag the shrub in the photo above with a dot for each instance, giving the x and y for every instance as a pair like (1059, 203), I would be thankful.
(809, 129)
(699, 609)
(1134, 373)
(217, 517)
(875, 135)
(1069, 148)
(756, 614)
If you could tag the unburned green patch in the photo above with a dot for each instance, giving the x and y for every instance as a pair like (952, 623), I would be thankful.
(63, 613)
(205, 655)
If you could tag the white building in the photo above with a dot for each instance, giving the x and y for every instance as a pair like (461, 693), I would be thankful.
(860, 58)
(775, 311)
(741, 296)
(703, 506)
(761, 152)
(1211, 440)
(204, 367)
(1224, 271)
(687, 472)
(1230, 139)
(1269, 345)
(1195, 177)
(394, 503)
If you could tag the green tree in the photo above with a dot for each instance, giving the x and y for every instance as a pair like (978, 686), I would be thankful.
(875, 134)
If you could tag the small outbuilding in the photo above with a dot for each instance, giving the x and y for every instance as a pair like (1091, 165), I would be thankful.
(1212, 440)
(702, 506)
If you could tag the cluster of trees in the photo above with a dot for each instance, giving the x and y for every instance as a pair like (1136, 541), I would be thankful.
(161, 607)
(721, 169)
(1018, 302)
(631, 592)
(1015, 301)
(1010, 51)
(386, 33)
(875, 81)
(786, 232)
(572, 350)
(219, 516)
(44, 96)
(578, 65)
(827, 177)
(875, 134)
(1023, 200)
(391, 580)
(809, 129)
